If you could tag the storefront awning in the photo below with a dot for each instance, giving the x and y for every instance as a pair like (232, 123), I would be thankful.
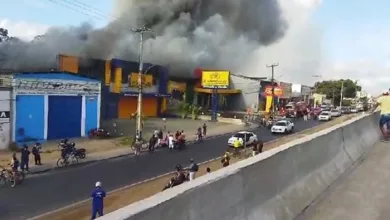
(219, 91)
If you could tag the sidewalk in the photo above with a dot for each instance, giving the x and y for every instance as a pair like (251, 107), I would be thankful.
(119, 151)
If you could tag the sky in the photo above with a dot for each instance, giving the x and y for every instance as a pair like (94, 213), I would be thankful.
(355, 32)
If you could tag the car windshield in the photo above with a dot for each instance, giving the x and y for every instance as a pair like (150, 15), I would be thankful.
(287, 107)
(324, 113)
(335, 110)
(239, 135)
(280, 123)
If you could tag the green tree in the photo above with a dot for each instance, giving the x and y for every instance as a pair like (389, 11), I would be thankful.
(332, 89)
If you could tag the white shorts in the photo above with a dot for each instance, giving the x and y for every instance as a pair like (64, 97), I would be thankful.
(171, 145)
(192, 175)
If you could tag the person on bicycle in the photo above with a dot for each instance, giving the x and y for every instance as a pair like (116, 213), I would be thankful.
(14, 164)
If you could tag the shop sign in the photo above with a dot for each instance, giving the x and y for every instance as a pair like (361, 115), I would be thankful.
(25, 86)
(134, 81)
(278, 91)
(215, 79)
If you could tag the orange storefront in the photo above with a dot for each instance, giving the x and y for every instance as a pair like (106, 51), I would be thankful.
(127, 106)
(120, 80)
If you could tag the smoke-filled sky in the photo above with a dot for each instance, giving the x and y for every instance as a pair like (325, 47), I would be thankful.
(242, 36)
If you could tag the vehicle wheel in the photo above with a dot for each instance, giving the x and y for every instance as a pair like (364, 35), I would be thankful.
(12, 181)
(21, 176)
(82, 155)
(74, 160)
(3, 181)
(145, 146)
(61, 163)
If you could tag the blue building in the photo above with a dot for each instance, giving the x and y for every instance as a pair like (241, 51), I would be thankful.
(54, 105)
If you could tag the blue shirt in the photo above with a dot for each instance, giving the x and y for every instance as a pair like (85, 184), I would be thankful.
(97, 197)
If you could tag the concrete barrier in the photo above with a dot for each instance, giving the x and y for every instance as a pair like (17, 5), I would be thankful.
(276, 185)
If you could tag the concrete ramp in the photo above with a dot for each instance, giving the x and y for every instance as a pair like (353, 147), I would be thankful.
(276, 185)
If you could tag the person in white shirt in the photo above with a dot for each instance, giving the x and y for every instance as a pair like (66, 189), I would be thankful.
(170, 142)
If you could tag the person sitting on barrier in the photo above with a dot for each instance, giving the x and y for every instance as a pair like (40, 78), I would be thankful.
(225, 160)
(383, 102)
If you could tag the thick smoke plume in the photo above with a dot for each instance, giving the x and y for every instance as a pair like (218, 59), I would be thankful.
(219, 34)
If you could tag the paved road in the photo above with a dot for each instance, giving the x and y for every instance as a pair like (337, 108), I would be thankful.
(362, 194)
(51, 191)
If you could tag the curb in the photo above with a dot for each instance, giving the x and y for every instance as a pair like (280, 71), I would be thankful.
(83, 163)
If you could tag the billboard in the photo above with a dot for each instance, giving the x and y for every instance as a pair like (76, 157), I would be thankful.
(215, 79)
(278, 91)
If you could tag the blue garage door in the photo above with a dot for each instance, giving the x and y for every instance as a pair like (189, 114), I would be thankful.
(64, 119)
(29, 124)
(91, 108)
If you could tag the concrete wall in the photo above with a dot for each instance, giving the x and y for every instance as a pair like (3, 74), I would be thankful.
(276, 185)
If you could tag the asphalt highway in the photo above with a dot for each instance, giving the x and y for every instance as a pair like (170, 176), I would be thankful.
(47, 192)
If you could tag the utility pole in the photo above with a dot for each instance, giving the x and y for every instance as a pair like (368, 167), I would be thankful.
(341, 94)
(141, 32)
(273, 87)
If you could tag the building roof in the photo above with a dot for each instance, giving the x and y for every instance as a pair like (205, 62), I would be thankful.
(58, 75)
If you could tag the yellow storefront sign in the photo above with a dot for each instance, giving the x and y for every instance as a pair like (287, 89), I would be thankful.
(215, 79)
(147, 80)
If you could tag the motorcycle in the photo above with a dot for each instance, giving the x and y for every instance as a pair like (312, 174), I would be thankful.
(99, 133)
(65, 146)
(174, 181)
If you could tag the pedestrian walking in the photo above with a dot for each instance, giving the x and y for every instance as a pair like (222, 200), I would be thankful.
(193, 169)
(24, 159)
(37, 154)
(98, 196)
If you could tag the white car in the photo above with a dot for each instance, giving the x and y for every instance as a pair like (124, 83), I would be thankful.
(248, 136)
(283, 126)
(354, 110)
(335, 113)
(325, 116)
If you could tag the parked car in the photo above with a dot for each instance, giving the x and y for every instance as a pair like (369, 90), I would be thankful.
(354, 110)
(335, 113)
(245, 137)
(325, 116)
(283, 126)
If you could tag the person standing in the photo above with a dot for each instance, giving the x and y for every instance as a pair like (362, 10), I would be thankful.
(193, 169)
(24, 158)
(98, 196)
(204, 129)
(171, 143)
(37, 154)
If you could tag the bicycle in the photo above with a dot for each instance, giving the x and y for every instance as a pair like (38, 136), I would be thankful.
(13, 178)
(68, 159)
(144, 146)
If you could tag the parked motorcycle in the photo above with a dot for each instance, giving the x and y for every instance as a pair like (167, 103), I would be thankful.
(98, 133)
(67, 147)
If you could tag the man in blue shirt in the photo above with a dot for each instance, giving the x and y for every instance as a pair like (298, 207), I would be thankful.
(97, 200)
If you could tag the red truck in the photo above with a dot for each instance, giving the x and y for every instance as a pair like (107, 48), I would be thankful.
(295, 109)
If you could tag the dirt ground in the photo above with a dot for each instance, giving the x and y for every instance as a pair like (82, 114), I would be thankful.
(124, 197)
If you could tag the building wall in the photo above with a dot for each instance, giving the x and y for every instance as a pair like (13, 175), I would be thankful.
(5, 118)
(54, 105)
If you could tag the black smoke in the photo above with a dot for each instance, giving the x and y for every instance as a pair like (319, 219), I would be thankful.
(186, 34)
